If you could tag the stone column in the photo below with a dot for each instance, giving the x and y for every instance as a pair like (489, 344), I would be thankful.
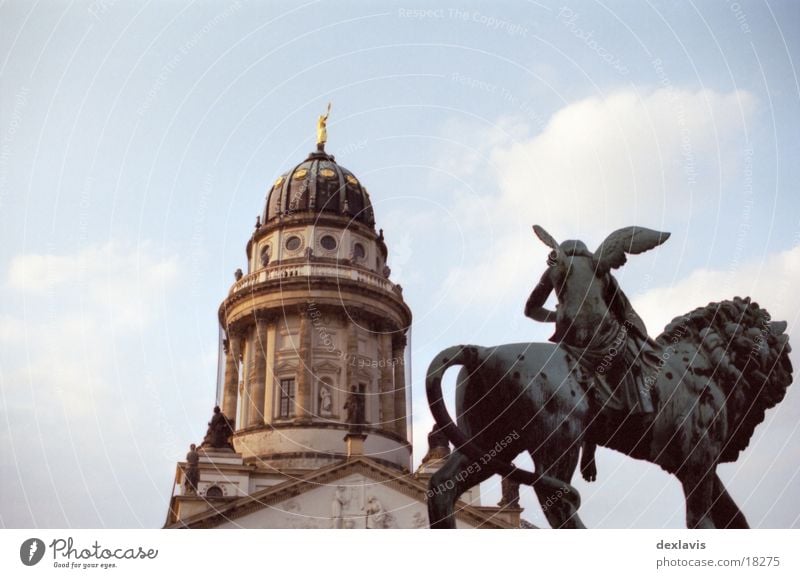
(386, 382)
(231, 386)
(398, 360)
(303, 409)
(269, 378)
(351, 359)
(244, 387)
(258, 380)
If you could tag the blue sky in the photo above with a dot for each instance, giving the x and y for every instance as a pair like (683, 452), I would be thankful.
(137, 142)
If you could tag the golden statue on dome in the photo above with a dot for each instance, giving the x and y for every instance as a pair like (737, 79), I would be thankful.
(322, 129)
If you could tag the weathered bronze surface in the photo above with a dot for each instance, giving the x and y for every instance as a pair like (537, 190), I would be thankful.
(354, 410)
(192, 477)
(219, 433)
(686, 401)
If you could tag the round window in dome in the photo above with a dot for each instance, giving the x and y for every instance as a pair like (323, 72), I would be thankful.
(328, 242)
(293, 243)
(358, 251)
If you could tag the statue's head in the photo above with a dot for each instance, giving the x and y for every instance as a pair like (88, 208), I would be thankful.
(581, 279)
(217, 409)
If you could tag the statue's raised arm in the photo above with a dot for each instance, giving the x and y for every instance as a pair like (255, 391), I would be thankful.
(535, 308)
(322, 129)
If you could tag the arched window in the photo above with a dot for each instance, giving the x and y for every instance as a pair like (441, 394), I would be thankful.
(214, 492)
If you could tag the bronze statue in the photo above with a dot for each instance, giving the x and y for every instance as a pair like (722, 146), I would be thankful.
(192, 472)
(510, 491)
(624, 333)
(354, 409)
(438, 445)
(219, 433)
(549, 399)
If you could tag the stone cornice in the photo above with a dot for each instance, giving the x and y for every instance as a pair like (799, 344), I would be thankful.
(323, 425)
(278, 288)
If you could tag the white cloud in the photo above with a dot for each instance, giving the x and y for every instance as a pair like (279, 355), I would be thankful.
(70, 315)
(607, 162)
(121, 280)
(772, 282)
(598, 165)
(82, 371)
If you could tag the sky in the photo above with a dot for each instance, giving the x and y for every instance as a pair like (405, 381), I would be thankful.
(138, 141)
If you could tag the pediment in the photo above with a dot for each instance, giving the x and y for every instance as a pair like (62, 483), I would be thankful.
(327, 367)
(286, 367)
(350, 494)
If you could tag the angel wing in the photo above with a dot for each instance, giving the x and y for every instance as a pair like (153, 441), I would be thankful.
(631, 240)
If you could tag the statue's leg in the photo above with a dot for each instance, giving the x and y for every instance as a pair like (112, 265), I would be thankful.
(698, 488)
(724, 511)
(559, 500)
(457, 475)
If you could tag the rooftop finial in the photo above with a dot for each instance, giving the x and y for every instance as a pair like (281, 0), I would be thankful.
(322, 129)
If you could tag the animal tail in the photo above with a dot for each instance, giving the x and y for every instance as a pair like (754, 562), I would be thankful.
(468, 356)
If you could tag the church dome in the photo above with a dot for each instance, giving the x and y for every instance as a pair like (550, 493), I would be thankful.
(319, 185)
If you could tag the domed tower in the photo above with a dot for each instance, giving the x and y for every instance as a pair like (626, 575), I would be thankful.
(315, 377)
(314, 324)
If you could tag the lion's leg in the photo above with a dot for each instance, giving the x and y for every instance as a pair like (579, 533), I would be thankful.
(456, 476)
(724, 511)
(558, 499)
(698, 488)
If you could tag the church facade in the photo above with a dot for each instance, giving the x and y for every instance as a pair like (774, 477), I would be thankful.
(314, 407)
